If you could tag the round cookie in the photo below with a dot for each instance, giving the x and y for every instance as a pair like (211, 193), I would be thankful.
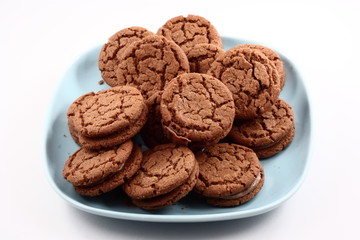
(131, 165)
(268, 134)
(163, 169)
(117, 137)
(251, 77)
(229, 174)
(189, 31)
(111, 51)
(86, 167)
(271, 150)
(273, 56)
(196, 109)
(150, 63)
(201, 56)
(102, 113)
(233, 201)
(172, 197)
(266, 129)
(152, 133)
(107, 118)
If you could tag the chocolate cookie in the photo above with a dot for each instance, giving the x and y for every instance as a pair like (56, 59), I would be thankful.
(269, 151)
(117, 137)
(273, 56)
(150, 63)
(229, 174)
(152, 133)
(251, 77)
(189, 31)
(267, 134)
(163, 169)
(102, 113)
(86, 167)
(201, 56)
(70, 117)
(110, 53)
(130, 167)
(107, 118)
(196, 109)
(172, 197)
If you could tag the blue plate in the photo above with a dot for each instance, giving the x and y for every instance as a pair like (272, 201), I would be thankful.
(284, 172)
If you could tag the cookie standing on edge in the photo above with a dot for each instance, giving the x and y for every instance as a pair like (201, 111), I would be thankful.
(168, 172)
(107, 118)
(268, 134)
(150, 63)
(229, 174)
(251, 77)
(197, 110)
(111, 51)
(189, 31)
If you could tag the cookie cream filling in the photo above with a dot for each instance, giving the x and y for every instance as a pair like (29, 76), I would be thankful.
(246, 191)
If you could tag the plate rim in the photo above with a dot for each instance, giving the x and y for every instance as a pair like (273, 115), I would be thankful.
(148, 217)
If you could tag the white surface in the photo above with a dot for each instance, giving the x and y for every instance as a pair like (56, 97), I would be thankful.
(38, 41)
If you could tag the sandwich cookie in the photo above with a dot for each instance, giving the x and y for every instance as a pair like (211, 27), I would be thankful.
(251, 77)
(111, 51)
(273, 56)
(95, 172)
(130, 167)
(190, 31)
(107, 118)
(229, 174)
(168, 173)
(269, 134)
(197, 110)
(150, 63)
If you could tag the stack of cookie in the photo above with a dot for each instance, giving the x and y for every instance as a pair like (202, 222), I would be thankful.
(183, 94)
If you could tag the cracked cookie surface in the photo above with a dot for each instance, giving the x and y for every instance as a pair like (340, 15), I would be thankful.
(265, 130)
(102, 113)
(273, 56)
(172, 197)
(131, 165)
(226, 169)
(196, 108)
(201, 56)
(251, 77)
(150, 63)
(163, 169)
(223, 202)
(87, 167)
(271, 150)
(118, 137)
(189, 31)
(111, 51)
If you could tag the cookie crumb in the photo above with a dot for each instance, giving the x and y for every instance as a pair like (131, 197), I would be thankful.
(101, 82)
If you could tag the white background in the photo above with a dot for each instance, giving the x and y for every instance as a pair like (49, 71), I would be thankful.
(40, 39)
